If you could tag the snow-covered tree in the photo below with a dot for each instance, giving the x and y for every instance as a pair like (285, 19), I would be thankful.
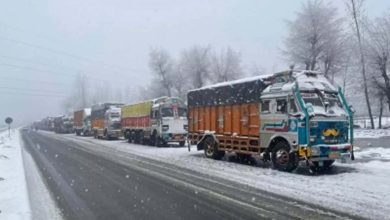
(315, 39)
(378, 53)
(161, 65)
(181, 82)
(196, 63)
(355, 8)
(226, 65)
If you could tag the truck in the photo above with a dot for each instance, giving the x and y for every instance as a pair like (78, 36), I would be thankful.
(63, 124)
(106, 120)
(286, 118)
(82, 122)
(156, 122)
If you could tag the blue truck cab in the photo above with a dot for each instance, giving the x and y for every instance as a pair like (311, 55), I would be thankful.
(305, 118)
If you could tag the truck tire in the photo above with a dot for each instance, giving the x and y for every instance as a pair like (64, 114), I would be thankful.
(211, 149)
(158, 142)
(282, 159)
(182, 143)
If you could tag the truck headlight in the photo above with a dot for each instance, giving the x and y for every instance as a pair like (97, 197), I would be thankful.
(313, 124)
(314, 151)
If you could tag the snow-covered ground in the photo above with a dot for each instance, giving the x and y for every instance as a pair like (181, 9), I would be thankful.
(14, 203)
(371, 133)
(348, 188)
(364, 122)
(374, 153)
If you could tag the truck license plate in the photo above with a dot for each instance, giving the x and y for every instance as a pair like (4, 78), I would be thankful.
(333, 155)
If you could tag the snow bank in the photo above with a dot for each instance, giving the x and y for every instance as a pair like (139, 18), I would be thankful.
(348, 188)
(14, 203)
(375, 153)
(371, 133)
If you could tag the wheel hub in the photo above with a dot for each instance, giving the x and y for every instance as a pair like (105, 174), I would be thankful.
(209, 148)
(282, 156)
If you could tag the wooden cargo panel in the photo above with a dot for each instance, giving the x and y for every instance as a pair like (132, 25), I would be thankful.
(239, 119)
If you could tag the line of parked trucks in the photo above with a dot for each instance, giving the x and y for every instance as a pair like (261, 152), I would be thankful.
(286, 118)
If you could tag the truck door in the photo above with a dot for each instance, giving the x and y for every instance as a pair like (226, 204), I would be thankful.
(274, 119)
(266, 119)
(281, 116)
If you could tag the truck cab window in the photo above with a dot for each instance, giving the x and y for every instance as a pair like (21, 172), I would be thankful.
(166, 112)
(265, 106)
(281, 106)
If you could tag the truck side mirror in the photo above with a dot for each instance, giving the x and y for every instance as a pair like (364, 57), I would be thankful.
(352, 109)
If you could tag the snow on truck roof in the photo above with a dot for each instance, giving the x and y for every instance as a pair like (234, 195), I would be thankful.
(234, 82)
(250, 89)
(305, 78)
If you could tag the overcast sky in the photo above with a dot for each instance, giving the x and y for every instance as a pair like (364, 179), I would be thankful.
(46, 43)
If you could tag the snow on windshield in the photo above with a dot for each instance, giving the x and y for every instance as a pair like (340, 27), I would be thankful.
(317, 103)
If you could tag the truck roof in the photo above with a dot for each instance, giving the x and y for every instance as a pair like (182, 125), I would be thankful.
(250, 89)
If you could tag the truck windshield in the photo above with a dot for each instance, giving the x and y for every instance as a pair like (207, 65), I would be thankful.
(334, 107)
(166, 112)
(114, 115)
(313, 99)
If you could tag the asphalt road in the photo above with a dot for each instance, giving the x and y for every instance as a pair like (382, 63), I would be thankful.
(95, 184)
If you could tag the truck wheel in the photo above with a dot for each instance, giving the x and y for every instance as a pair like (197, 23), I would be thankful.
(182, 143)
(282, 159)
(105, 135)
(158, 142)
(95, 135)
(327, 165)
(211, 149)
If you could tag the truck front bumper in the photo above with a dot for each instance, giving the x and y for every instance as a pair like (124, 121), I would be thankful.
(326, 152)
(169, 137)
(114, 133)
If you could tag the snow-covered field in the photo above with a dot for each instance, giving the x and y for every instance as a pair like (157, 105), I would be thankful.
(371, 133)
(14, 203)
(361, 188)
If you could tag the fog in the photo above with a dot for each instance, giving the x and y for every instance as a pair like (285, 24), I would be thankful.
(45, 45)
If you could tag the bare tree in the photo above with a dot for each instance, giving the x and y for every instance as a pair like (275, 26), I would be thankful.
(196, 63)
(379, 52)
(82, 85)
(226, 65)
(355, 9)
(315, 37)
(161, 65)
(180, 84)
(256, 70)
(79, 96)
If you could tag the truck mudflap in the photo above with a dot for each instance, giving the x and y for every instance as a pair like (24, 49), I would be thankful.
(314, 153)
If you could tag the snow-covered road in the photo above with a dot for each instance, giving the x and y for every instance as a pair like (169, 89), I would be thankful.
(361, 188)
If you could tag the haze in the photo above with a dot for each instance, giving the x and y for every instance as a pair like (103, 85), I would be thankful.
(46, 44)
